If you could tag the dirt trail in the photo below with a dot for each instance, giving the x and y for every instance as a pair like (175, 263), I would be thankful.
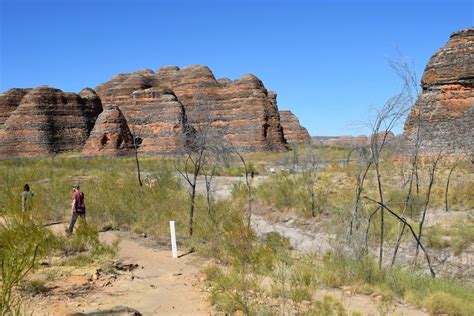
(160, 285)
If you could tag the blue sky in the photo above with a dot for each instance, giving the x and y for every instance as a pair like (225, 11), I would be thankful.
(325, 59)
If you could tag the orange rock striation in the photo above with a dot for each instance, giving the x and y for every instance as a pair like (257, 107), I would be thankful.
(242, 109)
(444, 112)
(110, 135)
(292, 130)
(158, 108)
(48, 121)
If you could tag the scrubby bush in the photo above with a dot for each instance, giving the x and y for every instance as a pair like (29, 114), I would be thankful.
(457, 236)
(439, 303)
(328, 306)
(22, 245)
(414, 286)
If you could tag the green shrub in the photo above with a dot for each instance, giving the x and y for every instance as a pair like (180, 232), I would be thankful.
(328, 306)
(276, 242)
(458, 236)
(414, 286)
(22, 245)
(443, 303)
(34, 287)
(231, 290)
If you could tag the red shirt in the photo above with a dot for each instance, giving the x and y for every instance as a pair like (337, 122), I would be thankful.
(78, 198)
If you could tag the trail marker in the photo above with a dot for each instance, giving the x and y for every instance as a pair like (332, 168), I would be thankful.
(174, 251)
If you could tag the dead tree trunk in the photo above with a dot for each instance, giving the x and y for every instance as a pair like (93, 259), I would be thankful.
(413, 176)
(432, 175)
(418, 241)
(137, 163)
(447, 183)
(247, 183)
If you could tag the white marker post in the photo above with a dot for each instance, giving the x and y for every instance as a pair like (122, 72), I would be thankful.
(174, 251)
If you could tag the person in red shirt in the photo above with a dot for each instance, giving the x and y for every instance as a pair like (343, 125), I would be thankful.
(78, 208)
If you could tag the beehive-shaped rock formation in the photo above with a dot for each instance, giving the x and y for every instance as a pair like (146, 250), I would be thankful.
(444, 112)
(110, 135)
(154, 113)
(292, 130)
(49, 121)
(242, 108)
(164, 110)
(9, 101)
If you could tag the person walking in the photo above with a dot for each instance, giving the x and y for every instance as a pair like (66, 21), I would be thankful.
(78, 208)
(26, 201)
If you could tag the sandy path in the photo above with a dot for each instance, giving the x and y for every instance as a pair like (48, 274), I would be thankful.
(164, 286)
(161, 285)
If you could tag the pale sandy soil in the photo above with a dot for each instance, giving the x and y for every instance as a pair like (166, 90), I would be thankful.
(160, 285)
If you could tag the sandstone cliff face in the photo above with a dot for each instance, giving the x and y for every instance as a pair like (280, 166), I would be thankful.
(49, 121)
(154, 113)
(110, 135)
(293, 132)
(9, 101)
(163, 109)
(445, 109)
(158, 119)
(242, 108)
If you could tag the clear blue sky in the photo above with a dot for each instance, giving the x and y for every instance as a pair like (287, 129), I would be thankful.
(325, 59)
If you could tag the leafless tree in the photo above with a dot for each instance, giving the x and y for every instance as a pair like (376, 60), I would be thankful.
(469, 153)
(387, 118)
(311, 162)
(364, 163)
(248, 182)
(209, 174)
(431, 179)
(412, 177)
(191, 156)
(197, 147)
(451, 170)
(137, 129)
(410, 227)
(220, 153)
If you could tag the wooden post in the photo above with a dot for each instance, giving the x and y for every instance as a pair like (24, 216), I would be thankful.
(174, 251)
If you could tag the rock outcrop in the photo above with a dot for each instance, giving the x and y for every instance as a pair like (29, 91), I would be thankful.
(110, 135)
(163, 110)
(353, 141)
(9, 101)
(242, 109)
(293, 132)
(158, 118)
(49, 121)
(444, 112)
(344, 141)
(154, 113)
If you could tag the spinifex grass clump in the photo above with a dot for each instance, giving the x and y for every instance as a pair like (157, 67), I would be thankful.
(337, 269)
(457, 236)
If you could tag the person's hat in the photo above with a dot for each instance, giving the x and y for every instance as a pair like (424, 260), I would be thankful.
(76, 186)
